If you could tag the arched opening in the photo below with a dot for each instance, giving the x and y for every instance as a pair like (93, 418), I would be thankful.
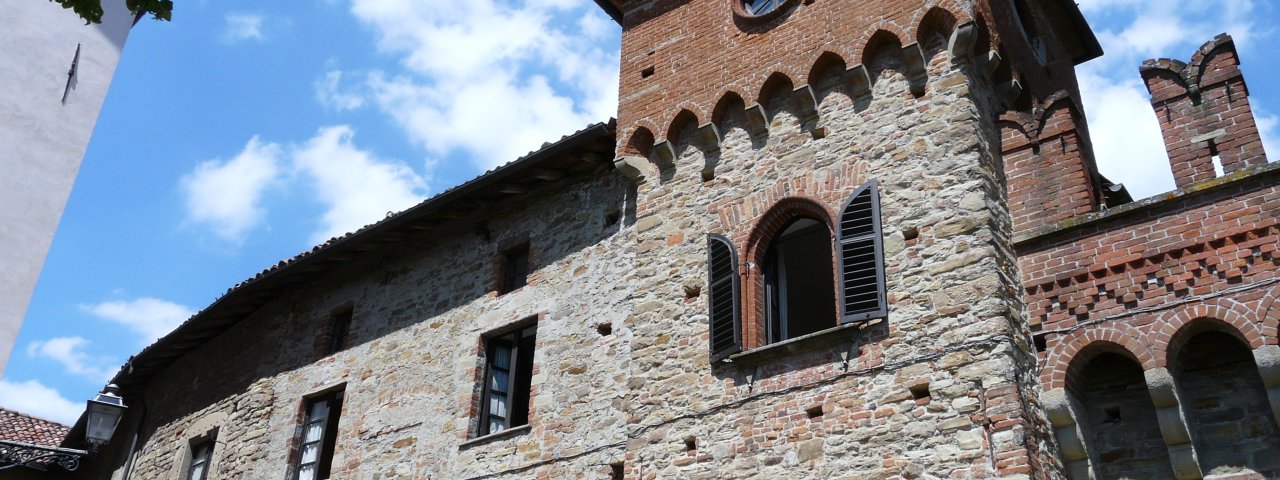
(1226, 405)
(1119, 421)
(798, 280)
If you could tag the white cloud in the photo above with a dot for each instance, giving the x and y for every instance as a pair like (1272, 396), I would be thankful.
(227, 195)
(1126, 136)
(150, 317)
(356, 187)
(69, 352)
(490, 79)
(36, 399)
(243, 26)
(330, 93)
(1269, 128)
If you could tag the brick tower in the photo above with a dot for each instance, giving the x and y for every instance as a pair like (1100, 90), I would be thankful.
(842, 178)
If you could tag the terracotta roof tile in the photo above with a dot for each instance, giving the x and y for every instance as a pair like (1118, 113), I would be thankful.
(20, 427)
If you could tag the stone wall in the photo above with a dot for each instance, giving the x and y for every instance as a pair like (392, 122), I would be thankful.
(937, 389)
(412, 371)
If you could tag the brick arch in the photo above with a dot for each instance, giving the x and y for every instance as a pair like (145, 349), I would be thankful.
(770, 86)
(1220, 314)
(934, 20)
(1081, 346)
(882, 27)
(686, 115)
(822, 63)
(769, 225)
(640, 140)
(724, 103)
(1271, 317)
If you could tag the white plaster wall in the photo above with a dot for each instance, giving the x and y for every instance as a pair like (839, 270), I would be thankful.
(43, 139)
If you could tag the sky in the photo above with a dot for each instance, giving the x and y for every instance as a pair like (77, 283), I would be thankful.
(244, 132)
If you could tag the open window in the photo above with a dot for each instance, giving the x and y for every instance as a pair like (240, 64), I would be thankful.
(504, 401)
(319, 436)
(799, 291)
(804, 276)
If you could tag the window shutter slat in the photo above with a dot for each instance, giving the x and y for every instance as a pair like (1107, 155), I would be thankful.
(723, 298)
(861, 259)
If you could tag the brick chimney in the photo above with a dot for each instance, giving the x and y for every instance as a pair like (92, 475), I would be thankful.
(1204, 112)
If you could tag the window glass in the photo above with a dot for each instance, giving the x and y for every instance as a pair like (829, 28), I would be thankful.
(319, 429)
(508, 373)
(200, 455)
(760, 7)
(515, 268)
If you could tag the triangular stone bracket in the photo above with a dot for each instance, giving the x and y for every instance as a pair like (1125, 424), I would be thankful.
(861, 82)
(808, 100)
(1009, 91)
(962, 41)
(631, 167)
(917, 74)
(990, 63)
(709, 134)
(757, 119)
(666, 154)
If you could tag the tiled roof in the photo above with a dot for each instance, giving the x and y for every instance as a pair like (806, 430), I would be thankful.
(20, 427)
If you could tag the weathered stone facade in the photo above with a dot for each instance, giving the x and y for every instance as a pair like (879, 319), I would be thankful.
(1003, 355)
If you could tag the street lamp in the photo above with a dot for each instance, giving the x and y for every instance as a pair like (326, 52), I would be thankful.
(104, 415)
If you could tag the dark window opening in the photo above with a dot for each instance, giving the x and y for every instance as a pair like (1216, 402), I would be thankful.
(515, 268)
(799, 286)
(201, 455)
(340, 328)
(1029, 30)
(504, 402)
(319, 436)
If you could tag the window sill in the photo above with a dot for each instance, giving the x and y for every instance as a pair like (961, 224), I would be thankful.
(807, 343)
(510, 432)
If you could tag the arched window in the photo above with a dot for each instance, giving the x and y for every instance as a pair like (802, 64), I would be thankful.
(799, 291)
(804, 282)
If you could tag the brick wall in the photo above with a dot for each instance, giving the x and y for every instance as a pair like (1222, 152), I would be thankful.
(1204, 111)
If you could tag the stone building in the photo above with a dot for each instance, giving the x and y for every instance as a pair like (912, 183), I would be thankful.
(822, 239)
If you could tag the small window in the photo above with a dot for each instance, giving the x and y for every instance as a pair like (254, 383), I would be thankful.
(504, 402)
(319, 436)
(515, 268)
(798, 281)
(339, 330)
(201, 454)
(761, 7)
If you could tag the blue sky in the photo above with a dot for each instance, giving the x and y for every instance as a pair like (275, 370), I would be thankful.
(245, 132)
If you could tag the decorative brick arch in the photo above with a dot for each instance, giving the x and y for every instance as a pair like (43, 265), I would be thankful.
(860, 43)
(1271, 317)
(1181, 323)
(1082, 345)
(769, 225)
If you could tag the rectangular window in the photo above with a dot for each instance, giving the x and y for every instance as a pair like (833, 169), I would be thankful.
(504, 402)
(319, 435)
(201, 453)
(339, 329)
(515, 268)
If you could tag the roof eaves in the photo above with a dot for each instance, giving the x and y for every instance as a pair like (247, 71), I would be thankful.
(430, 205)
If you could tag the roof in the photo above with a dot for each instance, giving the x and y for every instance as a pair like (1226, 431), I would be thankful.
(1084, 33)
(20, 427)
(584, 152)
